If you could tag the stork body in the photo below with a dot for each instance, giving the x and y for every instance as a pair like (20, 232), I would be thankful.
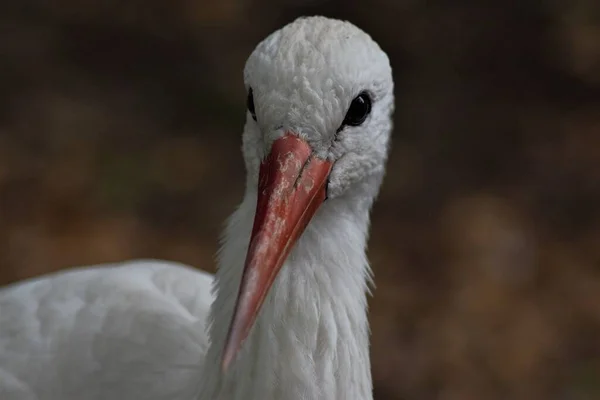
(134, 330)
(288, 320)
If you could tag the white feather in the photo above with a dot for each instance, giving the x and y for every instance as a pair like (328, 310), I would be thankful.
(134, 330)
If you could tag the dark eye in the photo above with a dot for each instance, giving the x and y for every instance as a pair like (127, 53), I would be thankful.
(250, 104)
(359, 110)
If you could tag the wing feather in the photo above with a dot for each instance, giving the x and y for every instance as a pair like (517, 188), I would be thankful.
(134, 330)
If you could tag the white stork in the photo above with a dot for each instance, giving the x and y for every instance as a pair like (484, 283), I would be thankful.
(288, 319)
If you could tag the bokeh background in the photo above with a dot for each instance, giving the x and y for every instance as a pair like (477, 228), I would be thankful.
(120, 132)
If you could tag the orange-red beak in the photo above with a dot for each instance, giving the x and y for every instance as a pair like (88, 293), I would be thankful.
(291, 187)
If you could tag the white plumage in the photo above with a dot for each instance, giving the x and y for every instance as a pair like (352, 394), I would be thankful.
(125, 331)
(152, 330)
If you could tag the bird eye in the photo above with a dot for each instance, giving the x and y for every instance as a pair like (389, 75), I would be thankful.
(250, 104)
(359, 110)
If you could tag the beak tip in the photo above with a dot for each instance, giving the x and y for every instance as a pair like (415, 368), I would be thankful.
(224, 365)
(226, 359)
(231, 348)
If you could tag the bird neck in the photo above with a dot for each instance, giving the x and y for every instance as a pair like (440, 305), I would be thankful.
(311, 338)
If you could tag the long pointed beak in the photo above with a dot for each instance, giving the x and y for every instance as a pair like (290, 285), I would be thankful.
(292, 186)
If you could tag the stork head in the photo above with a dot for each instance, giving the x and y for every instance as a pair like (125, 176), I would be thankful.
(320, 99)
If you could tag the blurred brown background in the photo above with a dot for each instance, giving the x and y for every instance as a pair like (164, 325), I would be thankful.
(120, 132)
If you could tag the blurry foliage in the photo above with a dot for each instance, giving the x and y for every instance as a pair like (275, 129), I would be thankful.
(120, 133)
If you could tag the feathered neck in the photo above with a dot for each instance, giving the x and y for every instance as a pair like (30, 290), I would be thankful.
(311, 339)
